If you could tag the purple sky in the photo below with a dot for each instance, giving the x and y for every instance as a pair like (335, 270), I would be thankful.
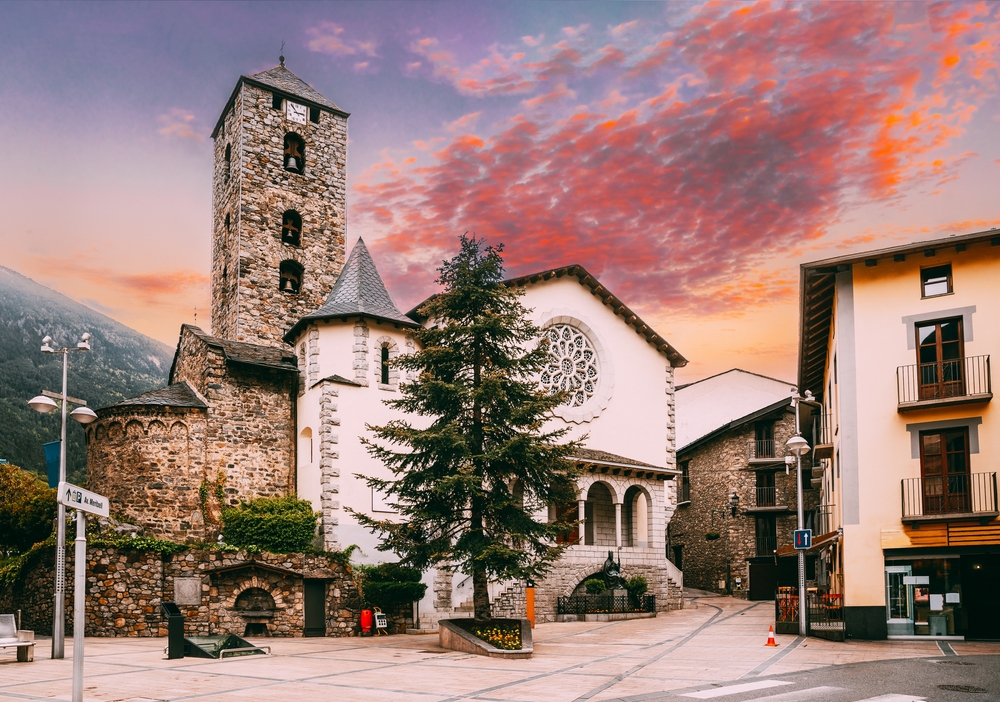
(691, 155)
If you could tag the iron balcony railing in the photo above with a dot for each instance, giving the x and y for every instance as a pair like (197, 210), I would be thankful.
(766, 545)
(943, 380)
(825, 519)
(605, 604)
(768, 497)
(683, 493)
(822, 429)
(962, 493)
(763, 448)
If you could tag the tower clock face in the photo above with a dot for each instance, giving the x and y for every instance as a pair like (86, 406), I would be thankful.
(296, 113)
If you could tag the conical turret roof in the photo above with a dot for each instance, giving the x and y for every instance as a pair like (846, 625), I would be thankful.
(358, 292)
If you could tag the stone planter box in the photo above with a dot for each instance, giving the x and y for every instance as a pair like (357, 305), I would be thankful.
(452, 636)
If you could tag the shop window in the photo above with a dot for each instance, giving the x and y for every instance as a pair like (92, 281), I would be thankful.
(295, 154)
(290, 277)
(935, 281)
(291, 228)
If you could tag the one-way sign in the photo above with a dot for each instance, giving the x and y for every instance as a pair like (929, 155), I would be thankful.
(77, 498)
(802, 538)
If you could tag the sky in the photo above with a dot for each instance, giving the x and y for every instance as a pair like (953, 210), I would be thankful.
(689, 155)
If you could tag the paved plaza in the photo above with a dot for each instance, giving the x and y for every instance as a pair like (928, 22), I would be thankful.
(712, 641)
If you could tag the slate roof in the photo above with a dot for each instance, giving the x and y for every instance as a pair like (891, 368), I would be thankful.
(358, 292)
(177, 395)
(251, 354)
(283, 80)
(586, 455)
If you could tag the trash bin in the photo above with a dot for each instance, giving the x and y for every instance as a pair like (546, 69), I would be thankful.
(175, 629)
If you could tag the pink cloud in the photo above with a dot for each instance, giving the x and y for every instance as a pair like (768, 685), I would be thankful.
(178, 124)
(327, 39)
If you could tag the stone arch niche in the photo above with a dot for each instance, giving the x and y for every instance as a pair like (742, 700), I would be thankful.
(257, 607)
(637, 517)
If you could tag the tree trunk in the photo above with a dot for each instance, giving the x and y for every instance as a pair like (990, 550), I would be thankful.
(480, 595)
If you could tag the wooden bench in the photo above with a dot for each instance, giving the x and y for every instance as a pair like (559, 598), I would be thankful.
(23, 641)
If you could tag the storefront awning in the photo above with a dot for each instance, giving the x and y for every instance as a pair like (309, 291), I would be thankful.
(819, 543)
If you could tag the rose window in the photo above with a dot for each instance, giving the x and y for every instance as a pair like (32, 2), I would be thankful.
(572, 365)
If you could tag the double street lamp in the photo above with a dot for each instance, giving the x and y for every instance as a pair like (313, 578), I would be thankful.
(45, 404)
(799, 447)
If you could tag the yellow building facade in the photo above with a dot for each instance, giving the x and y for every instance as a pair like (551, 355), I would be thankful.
(896, 346)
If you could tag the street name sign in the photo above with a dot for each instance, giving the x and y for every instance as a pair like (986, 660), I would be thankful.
(75, 497)
(802, 539)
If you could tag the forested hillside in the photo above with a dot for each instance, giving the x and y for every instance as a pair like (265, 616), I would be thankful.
(123, 363)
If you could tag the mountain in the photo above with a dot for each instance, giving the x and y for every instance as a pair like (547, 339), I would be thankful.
(122, 363)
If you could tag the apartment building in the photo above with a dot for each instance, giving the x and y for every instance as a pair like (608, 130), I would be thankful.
(895, 344)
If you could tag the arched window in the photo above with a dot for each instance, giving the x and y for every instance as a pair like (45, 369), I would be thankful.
(227, 164)
(385, 365)
(291, 228)
(295, 154)
(290, 277)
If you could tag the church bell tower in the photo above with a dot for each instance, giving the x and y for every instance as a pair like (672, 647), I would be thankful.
(278, 206)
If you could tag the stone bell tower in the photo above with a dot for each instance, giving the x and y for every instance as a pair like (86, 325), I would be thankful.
(278, 206)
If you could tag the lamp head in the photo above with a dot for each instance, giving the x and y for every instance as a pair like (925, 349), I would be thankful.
(84, 415)
(42, 404)
(47, 345)
(797, 446)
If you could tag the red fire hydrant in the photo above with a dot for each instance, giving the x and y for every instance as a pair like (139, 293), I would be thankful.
(366, 622)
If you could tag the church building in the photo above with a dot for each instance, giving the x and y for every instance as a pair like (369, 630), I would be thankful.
(276, 399)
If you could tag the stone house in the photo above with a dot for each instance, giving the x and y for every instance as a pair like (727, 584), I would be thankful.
(737, 495)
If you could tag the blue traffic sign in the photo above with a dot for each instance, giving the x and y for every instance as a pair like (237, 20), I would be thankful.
(802, 538)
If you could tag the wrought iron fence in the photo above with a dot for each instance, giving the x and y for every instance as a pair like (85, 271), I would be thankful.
(825, 614)
(605, 604)
(941, 380)
(961, 493)
(762, 448)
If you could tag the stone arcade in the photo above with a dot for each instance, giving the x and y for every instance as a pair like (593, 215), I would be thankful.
(276, 399)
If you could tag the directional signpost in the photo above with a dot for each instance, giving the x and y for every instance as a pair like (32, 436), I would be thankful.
(802, 539)
(82, 501)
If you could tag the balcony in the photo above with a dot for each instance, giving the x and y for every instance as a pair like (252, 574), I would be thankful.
(959, 497)
(683, 493)
(943, 383)
(764, 452)
(766, 545)
(822, 436)
(767, 499)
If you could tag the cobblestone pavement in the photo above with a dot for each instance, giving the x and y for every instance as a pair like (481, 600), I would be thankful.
(713, 640)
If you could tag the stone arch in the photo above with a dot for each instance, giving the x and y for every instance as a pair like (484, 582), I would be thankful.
(178, 430)
(116, 432)
(260, 583)
(156, 428)
(637, 517)
(134, 429)
(599, 512)
(306, 447)
(387, 349)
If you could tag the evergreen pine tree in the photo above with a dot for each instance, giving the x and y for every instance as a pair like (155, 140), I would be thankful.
(467, 486)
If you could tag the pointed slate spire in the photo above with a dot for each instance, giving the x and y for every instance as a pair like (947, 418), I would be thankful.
(358, 292)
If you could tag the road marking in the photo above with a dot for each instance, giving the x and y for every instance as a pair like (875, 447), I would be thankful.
(809, 693)
(946, 648)
(774, 659)
(733, 689)
(894, 698)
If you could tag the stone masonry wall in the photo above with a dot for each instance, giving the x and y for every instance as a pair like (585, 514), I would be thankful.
(125, 588)
(716, 469)
(247, 304)
(150, 462)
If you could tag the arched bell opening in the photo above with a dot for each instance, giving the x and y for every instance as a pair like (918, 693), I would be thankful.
(295, 154)
(291, 228)
(290, 277)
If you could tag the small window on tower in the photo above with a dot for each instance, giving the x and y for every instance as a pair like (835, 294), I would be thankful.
(291, 228)
(227, 223)
(295, 154)
(385, 365)
(227, 164)
(290, 277)
(276, 101)
(314, 115)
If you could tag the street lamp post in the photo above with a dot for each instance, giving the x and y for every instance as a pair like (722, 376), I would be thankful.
(82, 414)
(798, 447)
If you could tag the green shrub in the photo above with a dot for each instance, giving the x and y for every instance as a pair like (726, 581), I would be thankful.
(275, 524)
(392, 585)
(27, 510)
(637, 586)
(594, 586)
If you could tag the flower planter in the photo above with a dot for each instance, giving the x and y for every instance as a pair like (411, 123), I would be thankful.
(454, 635)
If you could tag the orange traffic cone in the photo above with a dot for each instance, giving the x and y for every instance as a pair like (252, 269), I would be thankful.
(770, 637)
